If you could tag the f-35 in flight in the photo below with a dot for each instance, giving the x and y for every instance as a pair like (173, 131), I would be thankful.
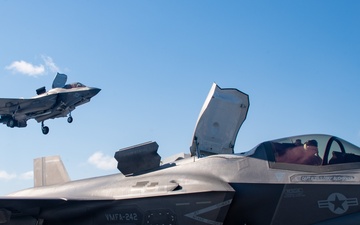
(57, 102)
(306, 179)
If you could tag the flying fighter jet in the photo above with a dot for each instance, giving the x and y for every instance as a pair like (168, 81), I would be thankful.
(57, 102)
(305, 179)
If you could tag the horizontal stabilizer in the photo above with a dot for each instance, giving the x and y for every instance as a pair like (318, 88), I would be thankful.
(49, 170)
(138, 158)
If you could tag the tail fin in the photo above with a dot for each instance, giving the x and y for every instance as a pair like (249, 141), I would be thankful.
(49, 170)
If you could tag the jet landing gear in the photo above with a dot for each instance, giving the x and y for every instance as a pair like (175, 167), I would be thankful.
(44, 129)
(70, 119)
(11, 123)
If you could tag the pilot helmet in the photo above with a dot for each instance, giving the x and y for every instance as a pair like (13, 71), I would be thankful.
(311, 143)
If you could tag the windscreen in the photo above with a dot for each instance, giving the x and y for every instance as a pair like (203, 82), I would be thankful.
(315, 150)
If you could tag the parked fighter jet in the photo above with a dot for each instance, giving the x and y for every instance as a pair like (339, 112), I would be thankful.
(57, 102)
(307, 179)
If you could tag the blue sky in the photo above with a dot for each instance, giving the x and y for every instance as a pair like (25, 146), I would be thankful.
(155, 62)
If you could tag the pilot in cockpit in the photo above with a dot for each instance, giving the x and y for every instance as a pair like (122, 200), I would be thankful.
(311, 149)
(74, 85)
(298, 153)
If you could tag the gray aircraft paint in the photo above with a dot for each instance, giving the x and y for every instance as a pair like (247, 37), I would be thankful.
(229, 189)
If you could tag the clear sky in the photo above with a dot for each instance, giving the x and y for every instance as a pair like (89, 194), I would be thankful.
(155, 62)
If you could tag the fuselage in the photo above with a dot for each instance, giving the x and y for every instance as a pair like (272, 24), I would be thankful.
(245, 186)
(65, 101)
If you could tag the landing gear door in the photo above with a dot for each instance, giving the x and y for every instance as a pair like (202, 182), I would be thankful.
(220, 119)
(59, 80)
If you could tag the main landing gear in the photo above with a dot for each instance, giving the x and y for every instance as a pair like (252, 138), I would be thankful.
(11, 123)
(45, 129)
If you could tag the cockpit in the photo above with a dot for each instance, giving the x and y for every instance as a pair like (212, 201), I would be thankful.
(308, 150)
(74, 85)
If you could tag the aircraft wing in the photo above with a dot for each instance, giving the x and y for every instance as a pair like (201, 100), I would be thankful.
(12, 207)
(23, 108)
(9, 105)
(185, 209)
(23, 210)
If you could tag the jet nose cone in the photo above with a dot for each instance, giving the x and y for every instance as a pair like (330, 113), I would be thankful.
(95, 91)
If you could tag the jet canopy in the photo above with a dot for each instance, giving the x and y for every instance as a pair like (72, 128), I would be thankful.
(74, 85)
(308, 152)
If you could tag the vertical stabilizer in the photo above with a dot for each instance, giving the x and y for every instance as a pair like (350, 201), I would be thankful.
(49, 170)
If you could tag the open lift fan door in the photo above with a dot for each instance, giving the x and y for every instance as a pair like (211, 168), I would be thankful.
(220, 119)
(59, 80)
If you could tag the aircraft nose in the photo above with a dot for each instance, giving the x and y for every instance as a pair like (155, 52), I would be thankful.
(94, 91)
